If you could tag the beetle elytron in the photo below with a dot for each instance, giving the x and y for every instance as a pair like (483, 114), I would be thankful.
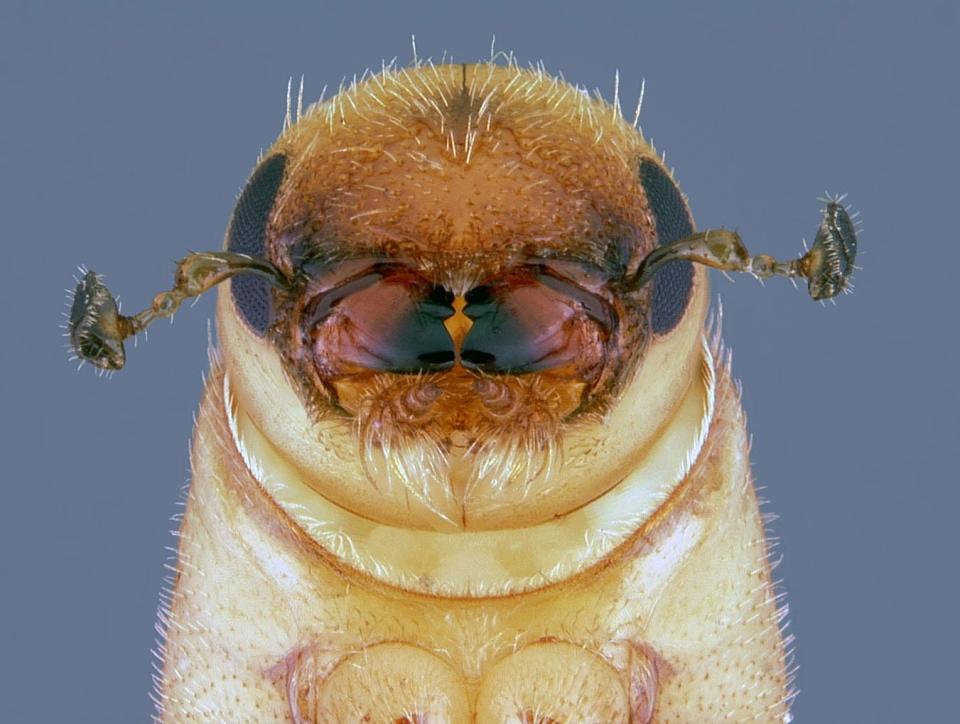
(468, 451)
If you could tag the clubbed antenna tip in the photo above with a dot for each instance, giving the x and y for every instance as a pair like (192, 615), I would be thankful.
(95, 323)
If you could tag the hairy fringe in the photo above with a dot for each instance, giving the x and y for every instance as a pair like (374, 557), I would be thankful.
(401, 451)
(776, 595)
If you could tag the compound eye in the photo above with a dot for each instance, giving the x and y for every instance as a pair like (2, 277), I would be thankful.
(672, 283)
(247, 235)
(533, 320)
(386, 319)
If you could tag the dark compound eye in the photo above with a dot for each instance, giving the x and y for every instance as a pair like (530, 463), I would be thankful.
(673, 283)
(247, 235)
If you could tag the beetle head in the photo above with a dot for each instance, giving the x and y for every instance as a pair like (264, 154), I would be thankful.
(460, 243)
(462, 297)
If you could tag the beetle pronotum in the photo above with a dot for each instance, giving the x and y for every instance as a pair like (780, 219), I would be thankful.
(468, 451)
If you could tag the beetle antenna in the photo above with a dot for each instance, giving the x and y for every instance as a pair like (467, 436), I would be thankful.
(96, 327)
(827, 265)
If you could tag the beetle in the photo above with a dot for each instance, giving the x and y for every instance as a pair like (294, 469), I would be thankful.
(469, 449)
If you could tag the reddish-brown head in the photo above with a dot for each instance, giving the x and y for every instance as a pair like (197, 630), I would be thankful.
(462, 241)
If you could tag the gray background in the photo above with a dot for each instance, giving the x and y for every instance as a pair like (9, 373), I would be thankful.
(127, 131)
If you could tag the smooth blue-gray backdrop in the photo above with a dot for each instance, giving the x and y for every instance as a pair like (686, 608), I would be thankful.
(128, 128)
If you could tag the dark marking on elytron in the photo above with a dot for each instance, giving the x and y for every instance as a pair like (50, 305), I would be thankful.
(673, 283)
(247, 235)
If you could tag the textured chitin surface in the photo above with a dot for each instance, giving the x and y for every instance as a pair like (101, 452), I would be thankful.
(459, 470)
(247, 234)
(681, 624)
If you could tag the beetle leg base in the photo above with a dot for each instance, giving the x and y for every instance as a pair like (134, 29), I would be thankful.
(389, 682)
(544, 682)
(558, 681)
